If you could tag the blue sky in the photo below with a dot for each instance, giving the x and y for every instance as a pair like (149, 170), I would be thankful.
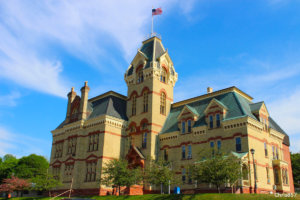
(46, 47)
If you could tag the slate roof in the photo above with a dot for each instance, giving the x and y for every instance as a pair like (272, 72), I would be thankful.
(148, 50)
(192, 109)
(109, 105)
(256, 106)
(276, 127)
(237, 107)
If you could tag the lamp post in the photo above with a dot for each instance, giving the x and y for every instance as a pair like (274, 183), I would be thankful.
(254, 167)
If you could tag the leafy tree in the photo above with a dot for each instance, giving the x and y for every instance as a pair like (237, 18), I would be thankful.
(217, 170)
(295, 159)
(44, 183)
(14, 184)
(7, 166)
(31, 166)
(117, 173)
(160, 173)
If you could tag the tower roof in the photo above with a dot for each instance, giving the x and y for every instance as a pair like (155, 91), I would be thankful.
(152, 49)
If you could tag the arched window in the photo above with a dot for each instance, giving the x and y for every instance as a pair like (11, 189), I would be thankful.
(245, 173)
(211, 121)
(163, 75)
(133, 111)
(145, 101)
(218, 120)
(163, 103)
(140, 76)
(166, 154)
(144, 140)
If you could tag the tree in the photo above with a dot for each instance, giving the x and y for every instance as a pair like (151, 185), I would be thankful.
(217, 170)
(233, 170)
(14, 184)
(295, 159)
(44, 183)
(7, 166)
(160, 173)
(30, 166)
(117, 173)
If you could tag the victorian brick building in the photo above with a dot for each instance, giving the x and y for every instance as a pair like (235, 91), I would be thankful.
(147, 124)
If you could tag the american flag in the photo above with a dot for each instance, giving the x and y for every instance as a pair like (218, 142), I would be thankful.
(157, 11)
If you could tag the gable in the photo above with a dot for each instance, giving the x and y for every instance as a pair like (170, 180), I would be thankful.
(188, 111)
(215, 104)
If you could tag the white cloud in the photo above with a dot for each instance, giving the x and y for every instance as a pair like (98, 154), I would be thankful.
(20, 144)
(286, 111)
(9, 99)
(29, 30)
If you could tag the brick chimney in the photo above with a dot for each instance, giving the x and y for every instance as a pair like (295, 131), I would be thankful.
(209, 90)
(71, 97)
(84, 101)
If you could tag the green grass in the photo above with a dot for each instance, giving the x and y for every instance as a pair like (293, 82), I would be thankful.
(176, 197)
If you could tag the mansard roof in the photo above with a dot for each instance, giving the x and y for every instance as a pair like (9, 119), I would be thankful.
(256, 106)
(238, 103)
(152, 49)
(109, 104)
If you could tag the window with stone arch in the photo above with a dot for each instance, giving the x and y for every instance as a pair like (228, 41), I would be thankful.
(163, 103)
(133, 108)
(163, 75)
(140, 75)
(145, 101)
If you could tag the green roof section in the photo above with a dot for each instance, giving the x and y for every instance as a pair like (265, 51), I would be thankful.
(237, 107)
(275, 126)
(239, 155)
(228, 99)
(219, 102)
(193, 110)
(256, 106)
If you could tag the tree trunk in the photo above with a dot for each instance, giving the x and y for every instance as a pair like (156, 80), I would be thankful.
(119, 190)
(218, 187)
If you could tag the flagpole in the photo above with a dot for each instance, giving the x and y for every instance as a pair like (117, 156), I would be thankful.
(152, 23)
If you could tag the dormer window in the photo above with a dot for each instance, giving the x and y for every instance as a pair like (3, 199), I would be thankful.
(163, 75)
(189, 126)
(211, 121)
(218, 120)
(140, 76)
(183, 127)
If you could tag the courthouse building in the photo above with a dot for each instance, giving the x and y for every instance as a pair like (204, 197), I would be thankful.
(147, 124)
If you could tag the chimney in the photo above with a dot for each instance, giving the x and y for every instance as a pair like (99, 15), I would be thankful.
(84, 101)
(71, 97)
(209, 90)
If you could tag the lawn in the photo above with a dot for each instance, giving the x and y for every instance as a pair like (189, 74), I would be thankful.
(178, 197)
